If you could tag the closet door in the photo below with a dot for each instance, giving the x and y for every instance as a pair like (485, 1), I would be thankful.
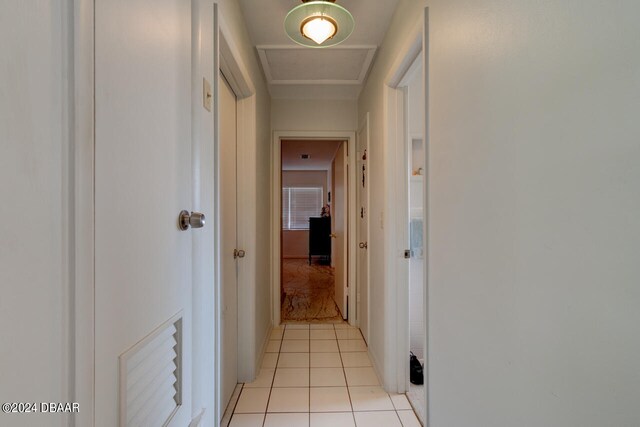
(229, 236)
(143, 179)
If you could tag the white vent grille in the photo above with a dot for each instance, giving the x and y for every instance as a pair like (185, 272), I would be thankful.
(150, 377)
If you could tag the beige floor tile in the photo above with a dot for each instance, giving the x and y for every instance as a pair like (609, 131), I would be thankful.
(277, 334)
(349, 334)
(329, 399)
(361, 376)
(264, 378)
(295, 346)
(352, 345)
(343, 325)
(296, 334)
(270, 360)
(400, 402)
(247, 420)
(286, 420)
(356, 359)
(341, 419)
(326, 360)
(323, 334)
(377, 419)
(252, 400)
(278, 328)
(409, 419)
(327, 377)
(324, 346)
(291, 377)
(273, 346)
(370, 398)
(297, 326)
(289, 400)
(293, 360)
(321, 326)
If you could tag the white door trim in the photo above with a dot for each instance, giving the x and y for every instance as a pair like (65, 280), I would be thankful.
(228, 59)
(276, 184)
(82, 191)
(364, 125)
(396, 330)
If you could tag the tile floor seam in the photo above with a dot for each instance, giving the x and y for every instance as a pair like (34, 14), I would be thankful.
(233, 412)
(346, 382)
(266, 409)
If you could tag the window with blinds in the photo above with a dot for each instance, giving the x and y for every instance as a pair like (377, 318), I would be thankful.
(298, 204)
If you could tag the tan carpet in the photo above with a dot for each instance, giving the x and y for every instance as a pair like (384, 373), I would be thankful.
(309, 292)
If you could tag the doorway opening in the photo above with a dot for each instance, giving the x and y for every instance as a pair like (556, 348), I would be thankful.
(406, 100)
(313, 233)
(414, 219)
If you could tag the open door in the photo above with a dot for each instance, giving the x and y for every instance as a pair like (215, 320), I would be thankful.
(340, 214)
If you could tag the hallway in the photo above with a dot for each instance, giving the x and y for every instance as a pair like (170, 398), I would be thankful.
(319, 375)
(491, 151)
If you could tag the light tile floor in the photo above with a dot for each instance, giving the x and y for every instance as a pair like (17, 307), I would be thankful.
(319, 375)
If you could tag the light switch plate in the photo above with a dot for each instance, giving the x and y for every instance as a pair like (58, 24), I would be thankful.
(207, 94)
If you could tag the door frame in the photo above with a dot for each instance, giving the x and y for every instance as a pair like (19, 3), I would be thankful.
(396, 379)
(80, 55)
(276, 203)
(365, 126)
(227, 59)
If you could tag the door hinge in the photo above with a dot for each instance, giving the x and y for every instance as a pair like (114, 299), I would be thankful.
(407, 253)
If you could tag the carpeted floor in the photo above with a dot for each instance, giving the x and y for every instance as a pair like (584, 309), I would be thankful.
(309, 292)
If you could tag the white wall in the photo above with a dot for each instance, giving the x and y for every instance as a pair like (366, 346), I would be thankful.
(310, 115)
(258, 169)
(295, 243)
(35, 262)
(534, 172)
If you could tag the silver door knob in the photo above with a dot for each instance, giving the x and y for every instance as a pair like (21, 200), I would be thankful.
(193, 220)
(363, 245)
(238, 253)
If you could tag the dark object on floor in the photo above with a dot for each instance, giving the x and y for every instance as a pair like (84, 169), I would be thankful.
(415, 370)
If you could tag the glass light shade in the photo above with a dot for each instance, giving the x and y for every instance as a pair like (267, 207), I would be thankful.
(310, 24)
(318, 28)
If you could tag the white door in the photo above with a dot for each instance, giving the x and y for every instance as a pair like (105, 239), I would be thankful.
(362, 196)
(228, 244)
(143, 180)
(340, 214)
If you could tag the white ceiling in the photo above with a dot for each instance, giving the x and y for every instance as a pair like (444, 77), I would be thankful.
(321, 153)
(296, 72)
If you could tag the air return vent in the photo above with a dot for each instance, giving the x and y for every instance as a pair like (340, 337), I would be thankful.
(151, 377)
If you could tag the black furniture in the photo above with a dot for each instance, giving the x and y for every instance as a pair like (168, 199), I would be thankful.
(320, 238)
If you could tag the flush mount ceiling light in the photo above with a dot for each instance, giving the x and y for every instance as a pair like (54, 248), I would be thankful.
(318, 23)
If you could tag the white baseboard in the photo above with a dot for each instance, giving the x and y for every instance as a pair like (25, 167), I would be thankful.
(263, 349)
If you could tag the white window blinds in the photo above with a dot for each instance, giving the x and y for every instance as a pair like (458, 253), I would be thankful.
(298, 204)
